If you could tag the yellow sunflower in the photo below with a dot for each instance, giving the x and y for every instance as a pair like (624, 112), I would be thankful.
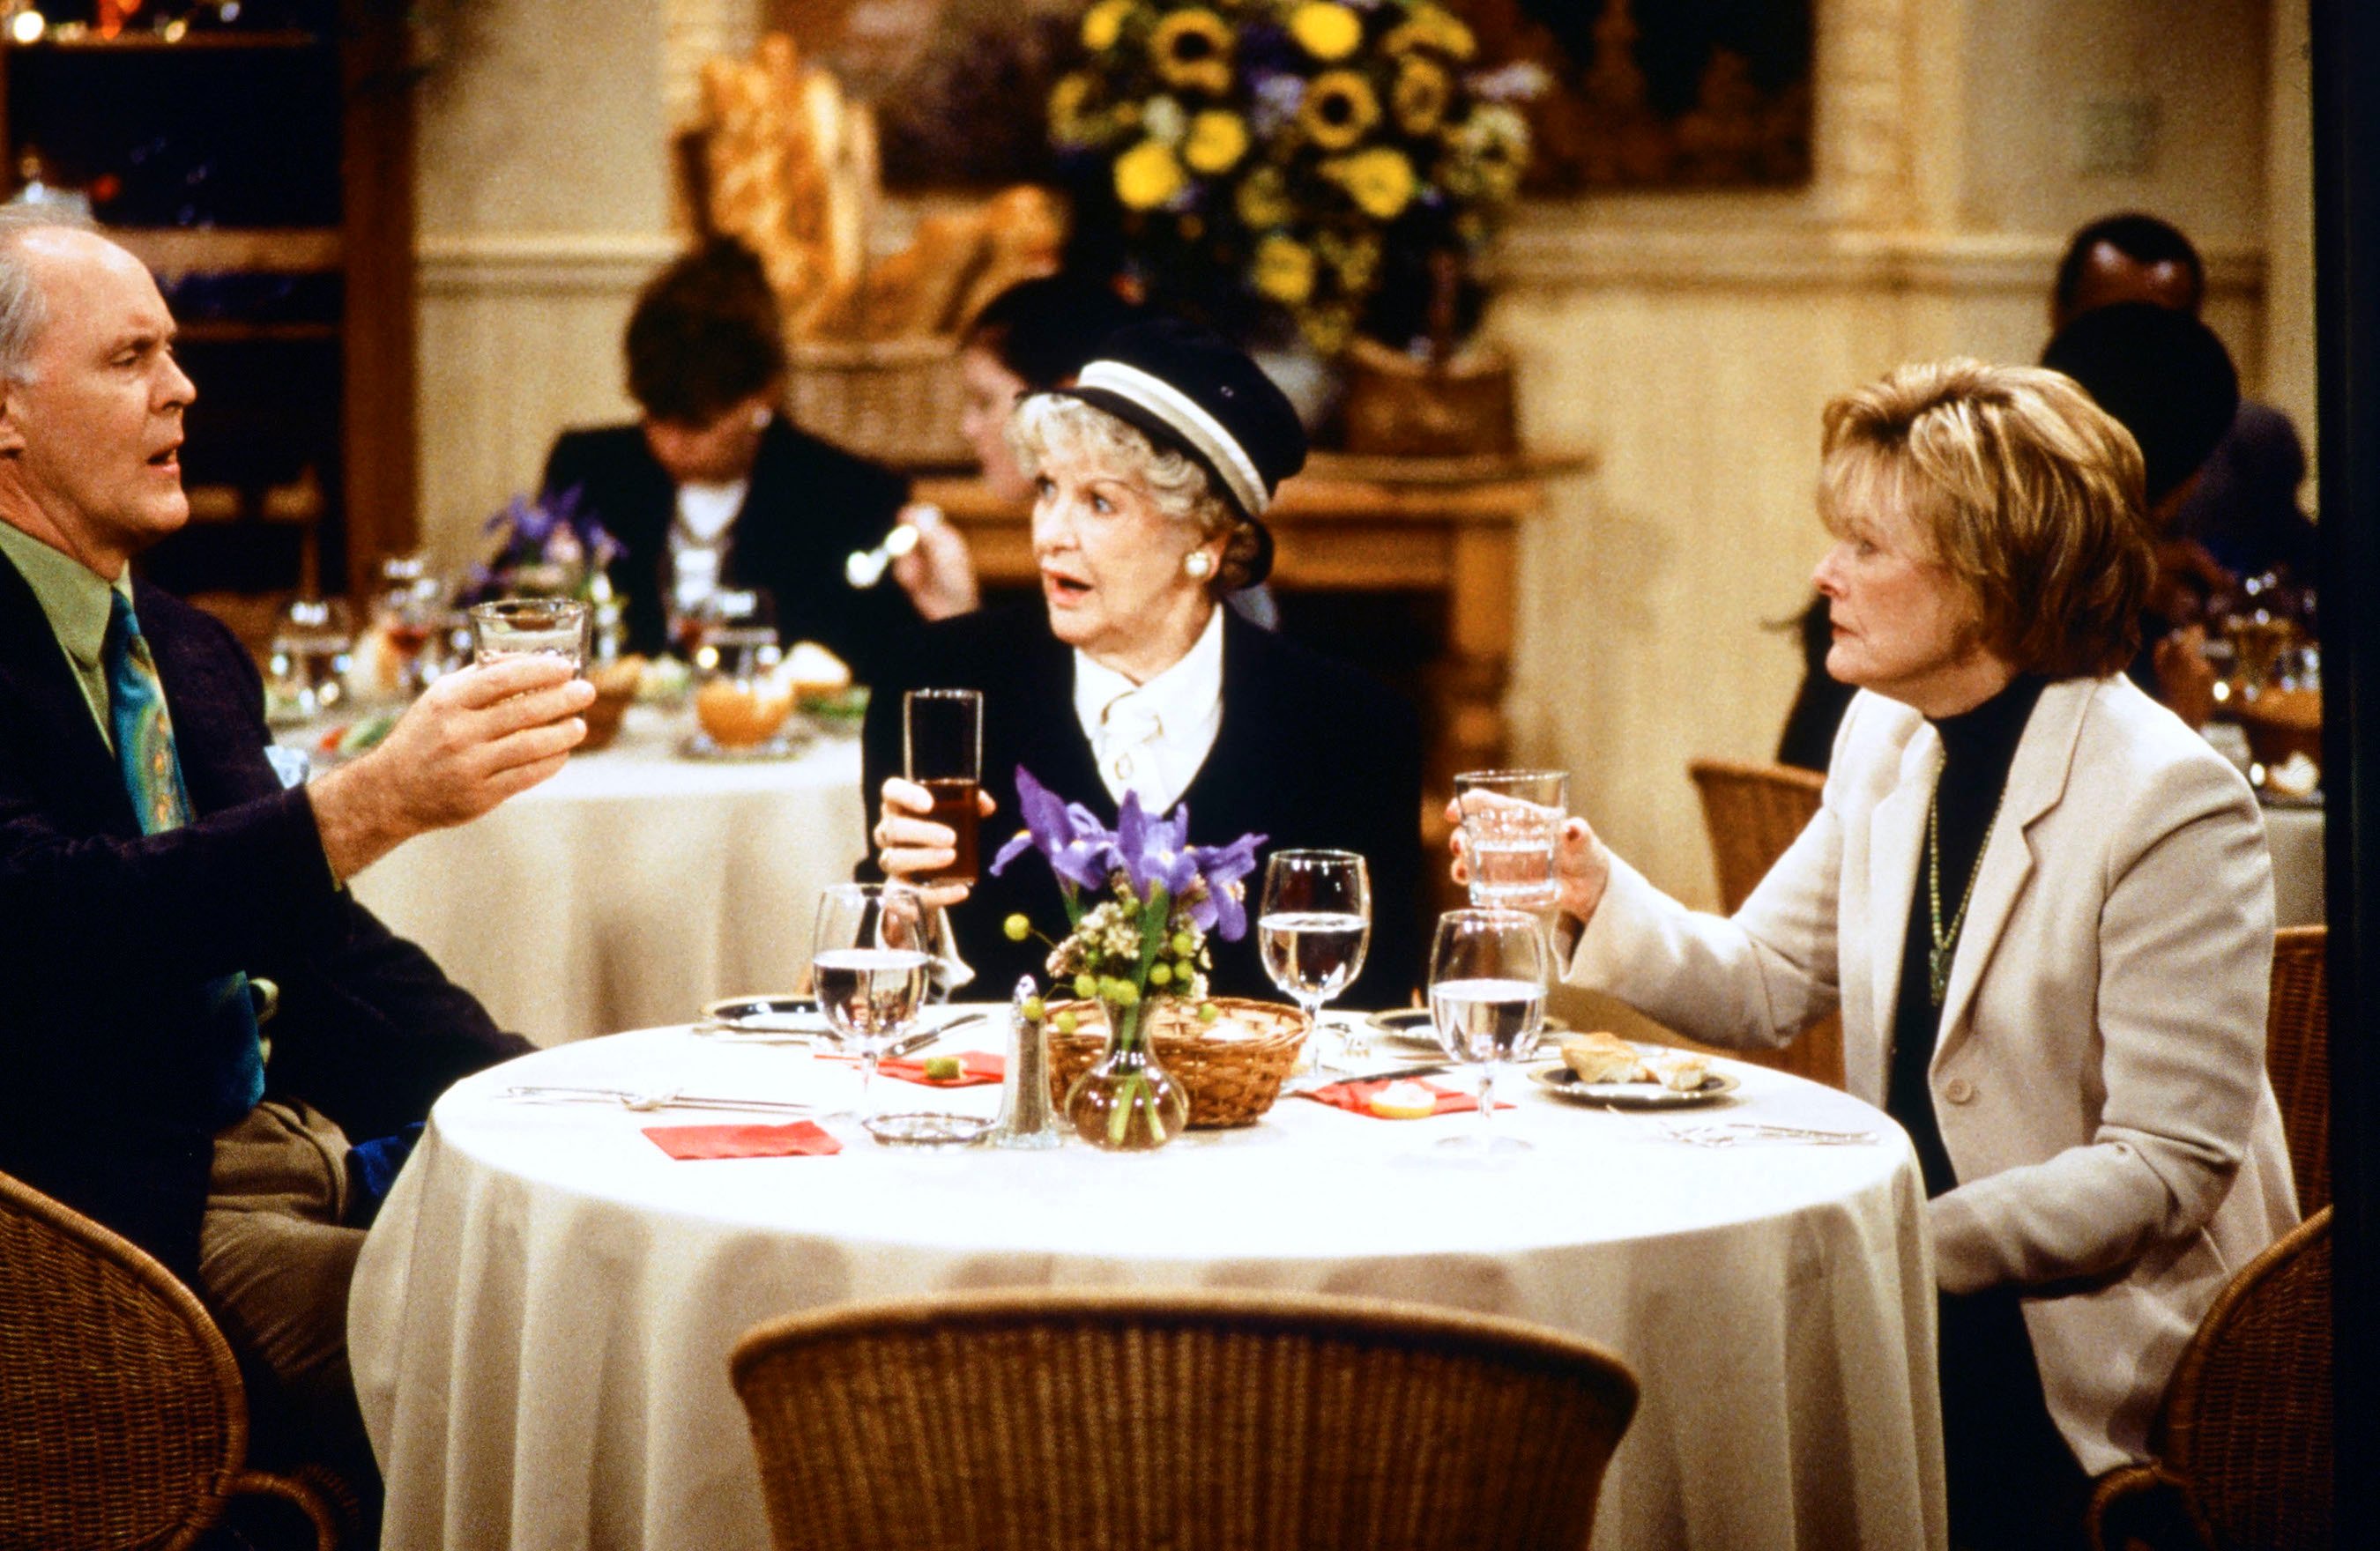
(1355, 258)
(1379, 180)
(1103, 24)
(1148, 175)
(1339, 107)
(1217, 141)
(1191, 49)
(1430, 27)
(1068, 124)
(1284, 269)
(1327, 32)
(1263, 199)
(1419, 98)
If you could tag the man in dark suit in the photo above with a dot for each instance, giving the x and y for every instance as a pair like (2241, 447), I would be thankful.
(155, 878)
(714, 488)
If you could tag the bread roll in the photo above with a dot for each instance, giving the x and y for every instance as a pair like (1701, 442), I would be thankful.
(1603, 1058)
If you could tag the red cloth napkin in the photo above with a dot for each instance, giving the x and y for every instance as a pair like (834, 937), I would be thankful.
(801, 1139)
(977, 1068)
(1356, 1097)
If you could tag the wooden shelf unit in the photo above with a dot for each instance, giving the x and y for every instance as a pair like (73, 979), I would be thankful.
(363, 505)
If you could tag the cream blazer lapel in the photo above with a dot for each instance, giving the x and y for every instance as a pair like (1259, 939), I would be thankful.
(2036, 784)
(1896, 846)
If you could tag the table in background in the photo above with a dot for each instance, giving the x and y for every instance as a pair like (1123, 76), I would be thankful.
(542, 1315)
(632, 887)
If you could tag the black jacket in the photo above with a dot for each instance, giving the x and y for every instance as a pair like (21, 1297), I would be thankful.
(810, 506)
(1310, 753)
(106, 936)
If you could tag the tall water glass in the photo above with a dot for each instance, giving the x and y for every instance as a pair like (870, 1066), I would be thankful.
(1315, 926)
(1487, 972)
(871, 960)
(1511, 828)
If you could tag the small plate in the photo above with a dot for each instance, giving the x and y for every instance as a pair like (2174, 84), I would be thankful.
(1409, 1028)
(1562, 1083)
(783, 746)
(777, 1017)
(926, 1128)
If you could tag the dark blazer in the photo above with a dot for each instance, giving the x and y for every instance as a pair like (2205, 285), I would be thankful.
(810, 506)
(1310, 753)
(106, 936)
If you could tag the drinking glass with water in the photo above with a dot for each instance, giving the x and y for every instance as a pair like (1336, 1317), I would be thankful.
(871, 966)
(1488, 973)
(1511, 828)
(1315, 927)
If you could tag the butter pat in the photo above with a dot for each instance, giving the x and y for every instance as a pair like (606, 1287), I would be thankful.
(1405, 1101)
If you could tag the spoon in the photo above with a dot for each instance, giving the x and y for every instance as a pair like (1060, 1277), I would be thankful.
(865, 568)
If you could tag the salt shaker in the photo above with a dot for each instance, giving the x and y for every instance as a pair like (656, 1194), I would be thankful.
(1027, 1121)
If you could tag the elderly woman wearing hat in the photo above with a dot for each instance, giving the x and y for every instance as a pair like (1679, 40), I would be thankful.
(2042, 905)
(1151, 477)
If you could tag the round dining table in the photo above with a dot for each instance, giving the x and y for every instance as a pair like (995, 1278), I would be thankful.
(542, 1313)
(634, 887)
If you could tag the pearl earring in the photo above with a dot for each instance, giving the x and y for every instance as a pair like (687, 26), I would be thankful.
(761, 417)
(1197, 564)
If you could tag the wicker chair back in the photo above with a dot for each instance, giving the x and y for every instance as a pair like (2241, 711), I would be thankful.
(2297, 1055)
(1753, 812)
(1057, 1421)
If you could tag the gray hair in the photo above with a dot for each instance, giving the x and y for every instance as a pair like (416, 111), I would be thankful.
(1178, 487)
(24, 310)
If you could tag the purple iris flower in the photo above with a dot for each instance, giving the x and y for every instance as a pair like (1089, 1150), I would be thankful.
(1080, 851)
(1221, 867)
(1152, 852)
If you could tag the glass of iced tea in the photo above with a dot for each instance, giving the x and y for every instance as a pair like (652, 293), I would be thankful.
(941, 746)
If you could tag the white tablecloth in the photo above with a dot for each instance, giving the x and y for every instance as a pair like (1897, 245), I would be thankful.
(542, 1315)
(632, 887)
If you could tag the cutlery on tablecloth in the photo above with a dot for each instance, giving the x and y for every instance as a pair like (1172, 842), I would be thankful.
(912, 1044)
(1727, 1134)
(1395, 1073)
(659, 1099)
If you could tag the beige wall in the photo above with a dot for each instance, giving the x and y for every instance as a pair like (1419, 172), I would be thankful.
(1688, 341)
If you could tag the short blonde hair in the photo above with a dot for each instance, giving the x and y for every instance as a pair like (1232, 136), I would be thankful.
(1178, 485)
(2027, 492)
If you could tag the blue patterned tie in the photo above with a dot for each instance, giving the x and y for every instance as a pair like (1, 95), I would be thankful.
(153, 778)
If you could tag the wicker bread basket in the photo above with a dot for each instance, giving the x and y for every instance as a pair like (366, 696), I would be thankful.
(1231, 1068)
(897, 401)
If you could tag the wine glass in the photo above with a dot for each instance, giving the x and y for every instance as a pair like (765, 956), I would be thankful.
(872, 957)
(1315, 927)
(1488, 1003)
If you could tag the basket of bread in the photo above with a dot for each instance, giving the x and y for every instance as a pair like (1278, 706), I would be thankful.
(782, 160)
(1231, 1067)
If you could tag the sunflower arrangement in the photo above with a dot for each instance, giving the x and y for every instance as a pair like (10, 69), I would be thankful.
(1301, 154)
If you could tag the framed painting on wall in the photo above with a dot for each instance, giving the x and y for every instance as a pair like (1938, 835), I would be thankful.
(1660, 94)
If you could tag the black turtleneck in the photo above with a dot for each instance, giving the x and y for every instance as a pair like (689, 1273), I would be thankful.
(1978, 746)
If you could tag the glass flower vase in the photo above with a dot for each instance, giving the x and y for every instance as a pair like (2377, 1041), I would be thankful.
(1125, 1101)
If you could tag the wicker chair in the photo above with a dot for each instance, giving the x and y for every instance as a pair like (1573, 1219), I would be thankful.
(2243, 1442)
(1069, 1420)
(1753, 812)
(2297, 1054)
(123, 1420)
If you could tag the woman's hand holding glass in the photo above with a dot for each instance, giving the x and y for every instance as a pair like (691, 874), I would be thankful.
(909, 845)
(1582, 865)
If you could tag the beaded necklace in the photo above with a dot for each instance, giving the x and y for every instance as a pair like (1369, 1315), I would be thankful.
(1937, 958)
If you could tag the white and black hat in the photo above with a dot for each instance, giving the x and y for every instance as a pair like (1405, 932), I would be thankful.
(1190, 389)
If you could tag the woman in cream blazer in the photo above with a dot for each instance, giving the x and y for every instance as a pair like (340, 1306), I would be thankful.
(2096, 1076)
